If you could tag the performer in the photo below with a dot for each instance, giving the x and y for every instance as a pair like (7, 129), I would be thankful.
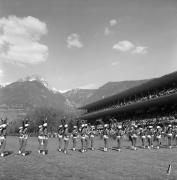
(175, 135)
(169, 134)
(87, 131)
(60, 137)
(158, 136)
(119, 134)
(45, 139)
(83, 132)
(105, 137)
(3, 134)
(129, 132)
(24, 137)
(134, 137)
(74, 137)
(40, 139)
(143, 137)
(20, 139)
(150, 136)
(66, 138)
(92, 136)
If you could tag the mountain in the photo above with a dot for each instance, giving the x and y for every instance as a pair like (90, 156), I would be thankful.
(31, 94)
(81, 97)
(112, 88)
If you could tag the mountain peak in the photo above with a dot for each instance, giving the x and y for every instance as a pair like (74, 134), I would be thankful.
(41, 80)
(34, 77)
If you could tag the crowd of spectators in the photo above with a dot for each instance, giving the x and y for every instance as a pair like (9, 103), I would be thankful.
(136, 99)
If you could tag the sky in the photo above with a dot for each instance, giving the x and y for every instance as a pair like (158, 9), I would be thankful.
(87, 43)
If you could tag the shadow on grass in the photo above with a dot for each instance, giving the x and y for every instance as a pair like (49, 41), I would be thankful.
(7, 153)
(128, 147)
(114, 148)
(28, 153)
(165, 146)
(141, 147)
(102, 149)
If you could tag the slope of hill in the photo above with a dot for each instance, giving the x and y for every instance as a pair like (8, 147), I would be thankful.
(31, 94)
(112, 88)
(34, 92)
(79, 96)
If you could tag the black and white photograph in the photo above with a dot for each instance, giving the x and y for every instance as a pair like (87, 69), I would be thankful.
(88, 89)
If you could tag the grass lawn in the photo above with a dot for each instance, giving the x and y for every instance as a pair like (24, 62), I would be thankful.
(127, 164)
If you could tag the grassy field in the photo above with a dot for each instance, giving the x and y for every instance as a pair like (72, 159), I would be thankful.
(127, 164)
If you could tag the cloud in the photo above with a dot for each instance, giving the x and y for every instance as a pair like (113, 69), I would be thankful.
(113, 22)
(19, 40)
(140, 50)
(107, 31)
(1, 73)
(115, 63)
(123, 46)
(127, 46)
(73, 40)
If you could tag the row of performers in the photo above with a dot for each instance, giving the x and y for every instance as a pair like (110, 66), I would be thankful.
(149, 136)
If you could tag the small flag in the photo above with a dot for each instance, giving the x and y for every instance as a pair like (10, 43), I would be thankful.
(169, 169)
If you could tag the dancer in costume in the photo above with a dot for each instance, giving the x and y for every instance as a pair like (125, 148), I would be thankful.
(45, 139)
(158, 136)
(150, 136)
(87, 131)
(60, 137)
(92, 137)
(83, 133)
(169, 135)
(119, 133)
(23, 137)
(175, 135)
(66, 139)
(3, 134)
(40, 136)
(74, 137)
(134, 136)
(106, 137)
(142, 134)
